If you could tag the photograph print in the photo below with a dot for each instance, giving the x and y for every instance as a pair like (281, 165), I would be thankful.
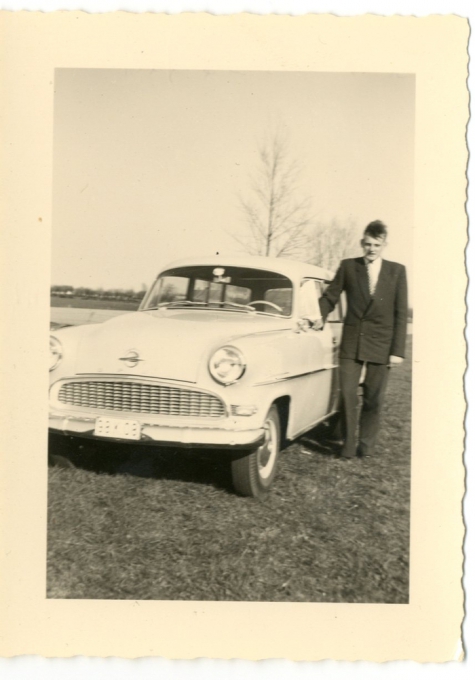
(231, 336)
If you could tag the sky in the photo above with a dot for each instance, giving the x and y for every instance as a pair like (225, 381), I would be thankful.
(149, 165)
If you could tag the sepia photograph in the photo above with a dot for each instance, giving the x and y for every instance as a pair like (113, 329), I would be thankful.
(231, 336)
(235, 349)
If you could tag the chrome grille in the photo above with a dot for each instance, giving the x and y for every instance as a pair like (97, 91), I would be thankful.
(141, 398)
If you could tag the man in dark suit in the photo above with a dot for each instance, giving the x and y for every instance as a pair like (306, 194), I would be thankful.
(374, 334)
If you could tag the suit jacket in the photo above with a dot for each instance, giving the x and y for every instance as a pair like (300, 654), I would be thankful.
(375, 327)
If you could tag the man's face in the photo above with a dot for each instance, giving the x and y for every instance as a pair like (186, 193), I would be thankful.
(372, 247)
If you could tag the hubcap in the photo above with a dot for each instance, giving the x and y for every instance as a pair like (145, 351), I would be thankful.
(267, 453)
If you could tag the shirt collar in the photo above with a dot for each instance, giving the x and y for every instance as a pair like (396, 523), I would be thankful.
(377, 262)
(375, 269)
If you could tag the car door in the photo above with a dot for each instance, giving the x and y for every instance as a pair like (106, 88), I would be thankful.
(312, 395)
(335, 323)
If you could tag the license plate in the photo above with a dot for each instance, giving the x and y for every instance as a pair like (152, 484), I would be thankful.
(115, 427)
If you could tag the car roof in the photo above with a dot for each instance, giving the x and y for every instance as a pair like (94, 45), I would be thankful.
(290, 268)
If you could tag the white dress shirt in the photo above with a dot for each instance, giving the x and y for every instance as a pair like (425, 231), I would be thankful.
(373, 268)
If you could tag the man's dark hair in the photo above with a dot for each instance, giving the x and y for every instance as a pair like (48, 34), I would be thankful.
(376, 229)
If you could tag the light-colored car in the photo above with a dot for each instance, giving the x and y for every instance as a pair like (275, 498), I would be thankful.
(223, 353)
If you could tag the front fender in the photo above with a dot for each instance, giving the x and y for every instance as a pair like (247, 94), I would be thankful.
(268, 356)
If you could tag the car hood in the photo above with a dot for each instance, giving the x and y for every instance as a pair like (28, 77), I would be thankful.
(170, 344)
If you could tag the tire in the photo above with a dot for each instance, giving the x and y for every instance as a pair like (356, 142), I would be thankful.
(253, 474)
(60, 451)
(60, 461)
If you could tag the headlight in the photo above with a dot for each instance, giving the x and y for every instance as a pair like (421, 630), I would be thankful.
(227, 365)
(55, 351)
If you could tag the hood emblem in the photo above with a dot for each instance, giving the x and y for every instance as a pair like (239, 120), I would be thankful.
(131, 359)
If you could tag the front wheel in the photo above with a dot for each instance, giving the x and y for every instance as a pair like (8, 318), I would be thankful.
(253, 474)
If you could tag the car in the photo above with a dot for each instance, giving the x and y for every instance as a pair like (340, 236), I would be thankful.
(223, 353)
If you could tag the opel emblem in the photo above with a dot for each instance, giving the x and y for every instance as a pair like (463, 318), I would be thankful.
(131, 359)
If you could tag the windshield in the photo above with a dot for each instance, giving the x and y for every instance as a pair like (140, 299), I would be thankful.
(227, 288)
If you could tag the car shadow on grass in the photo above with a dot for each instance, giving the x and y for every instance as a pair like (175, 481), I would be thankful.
(211, 468)
(207, 467)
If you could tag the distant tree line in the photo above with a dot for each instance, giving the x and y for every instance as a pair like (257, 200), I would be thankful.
(98, 293)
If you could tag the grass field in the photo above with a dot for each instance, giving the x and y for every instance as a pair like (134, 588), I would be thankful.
(164, 524)
(93, 303)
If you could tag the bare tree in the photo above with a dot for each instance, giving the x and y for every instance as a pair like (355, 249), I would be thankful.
(329, 243)
(276, 216)
(278, 219)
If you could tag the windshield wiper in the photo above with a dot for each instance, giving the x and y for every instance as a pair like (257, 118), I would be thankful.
(209, 305)
(174, 303)
(238, 305)
(182, 303)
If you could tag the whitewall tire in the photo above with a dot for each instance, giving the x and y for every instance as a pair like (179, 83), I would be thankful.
(254, 473)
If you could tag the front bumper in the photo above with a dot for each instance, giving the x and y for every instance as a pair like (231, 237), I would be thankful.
(164, 434)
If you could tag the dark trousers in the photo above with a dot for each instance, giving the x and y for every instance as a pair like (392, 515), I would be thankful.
(374, 387)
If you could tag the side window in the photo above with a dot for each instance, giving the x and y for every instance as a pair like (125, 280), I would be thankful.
(310, 292)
